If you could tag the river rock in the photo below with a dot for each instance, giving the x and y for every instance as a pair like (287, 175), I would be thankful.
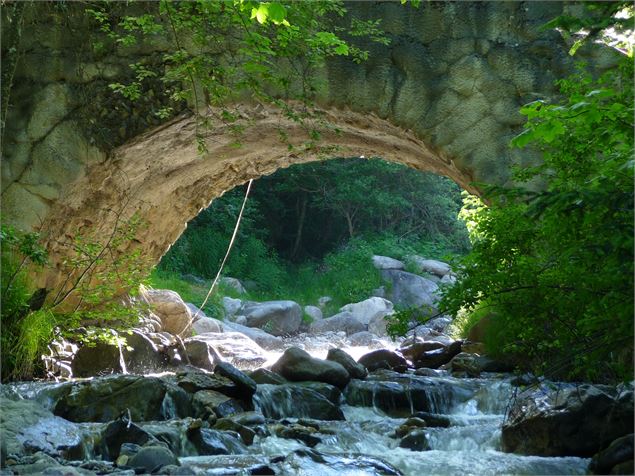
(227, 424)
(342, 322)
(415, 440)
(263, 375)
(175, 316)
(119, 432)
(245, 385)
(192, 382)
(279, 318)
(433, 359)
(231, 306)
(411, 290)
(433, 419)
(363, 339)
(354, 369)
(145, 398)
(330, 392)
(98, 358)
(448, 279)
(314, 312)
(385, 262)
(383, 359)
(216, 442)
(414, 350)
(201, 353)
(26, 427)
(618, 452)
(474, 364)
(151, 459)
(575, 421)
(297, 365)
(368, 310)
(432, 266)
(294, 401)
(233, 347)
(233, 284)
(411, 423)
(262, 338)
(206, 402)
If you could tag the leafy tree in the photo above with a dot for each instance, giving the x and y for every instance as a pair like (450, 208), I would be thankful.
(555, 266)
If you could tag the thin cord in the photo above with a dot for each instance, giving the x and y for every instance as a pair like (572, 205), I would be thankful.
(229, 248)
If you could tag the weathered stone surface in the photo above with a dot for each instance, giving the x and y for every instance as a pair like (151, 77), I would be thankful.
(314, 312)
(474, 364)
(294, 401)
(98, 359)
(263, 375)
(354, 369)
(231, 306)
(174, 314)
(233, 347)
(151, 459)
(572, 422)
(279, 318)
(204, 325)
(434, 359)
(206, 402)
(262, 338)
(297, 365)
(245, 385)
(192, 382)
(217, 442)
(368, 310)
(119, 432)
(618, 452)
(411, 290)
(146, 398)
(415, 440)
(233, 283)
(432, 266)
(414, 350)
(385, 262)
(383, 359)
(344, 321)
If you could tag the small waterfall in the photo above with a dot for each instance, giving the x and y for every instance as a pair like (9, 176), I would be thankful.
(122, 361)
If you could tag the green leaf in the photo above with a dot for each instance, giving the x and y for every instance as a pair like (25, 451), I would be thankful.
(277, 12)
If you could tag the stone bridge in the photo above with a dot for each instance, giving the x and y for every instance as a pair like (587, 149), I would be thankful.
(443, 97)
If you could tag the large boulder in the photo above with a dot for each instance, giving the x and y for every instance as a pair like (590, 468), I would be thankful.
(211, 402)
(107, 398)
(233, 347)
(574, 421)
(314, 312)
(411, 290)
(618, 453)
(433, 359)
(279, 318)
(385, 262)
(297, 365)
(262, 338)
(245, 385)
(232, 283)
(203, 325)
(474, 364)
(383, 359)
(413, 350)
(368, 310)
(231, 306)
(432, 266)
(354, 369)
(175, 316)
(295, 401)
(342, 322)
(26, 427)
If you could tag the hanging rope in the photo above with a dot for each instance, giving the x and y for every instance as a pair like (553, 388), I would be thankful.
(229, 248)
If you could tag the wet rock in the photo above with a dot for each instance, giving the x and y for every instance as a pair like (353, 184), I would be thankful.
(293, 401)
(370, 309)
(330, 392)
(216, 442)
(174, 470)
(354, 369)
(150, 459)
(262, 338)
(423, 265)
(411, 290)
(145, 355)
(415, 440)
(412, 422)
(175, 316)
(279, 318)
(344, 322)
(201, 353)
(35, 464)
(473, 364)
(297, 365)
(26, 427)
(173, 434)
(297, 432)
(618, 452)
(577, 421)
(306, 459)
(203, 325)
(245, 385)
(383, 359)
(433, 420)
(415, 349)
(119, 432)
(232, 347)
(145, 398)
(227, 424)
(263, 375)
(433, 359)
(385, 262)
(192, 382)
(206, 402)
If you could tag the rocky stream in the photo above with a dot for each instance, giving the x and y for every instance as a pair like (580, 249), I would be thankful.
(264, 393)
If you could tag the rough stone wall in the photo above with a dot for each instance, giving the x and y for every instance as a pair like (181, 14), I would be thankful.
(443, 96)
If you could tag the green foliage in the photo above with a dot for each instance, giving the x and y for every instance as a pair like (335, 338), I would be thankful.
(556, 265)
